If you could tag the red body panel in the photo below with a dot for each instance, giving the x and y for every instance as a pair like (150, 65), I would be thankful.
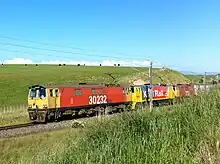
(91, 96)
(160, 92)
(186, 90)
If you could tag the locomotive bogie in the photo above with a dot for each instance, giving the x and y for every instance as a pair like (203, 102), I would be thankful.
(36, 115)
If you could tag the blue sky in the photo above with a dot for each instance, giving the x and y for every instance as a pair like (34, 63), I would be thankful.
(181, 34)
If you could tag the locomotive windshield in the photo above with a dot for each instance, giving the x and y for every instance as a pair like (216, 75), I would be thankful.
(42, 92)
(33, 93)
(37, 92)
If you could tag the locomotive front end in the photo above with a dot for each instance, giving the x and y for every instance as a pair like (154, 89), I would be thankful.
(37, 103)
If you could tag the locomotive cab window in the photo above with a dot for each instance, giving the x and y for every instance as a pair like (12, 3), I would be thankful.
(78, 92)
(132, 89)
(42, 93)
(33, 93)
(51, 92)
(57, 93)
(127, 90)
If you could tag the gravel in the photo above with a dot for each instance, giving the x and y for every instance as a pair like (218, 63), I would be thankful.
(75, 123)
(35, 129)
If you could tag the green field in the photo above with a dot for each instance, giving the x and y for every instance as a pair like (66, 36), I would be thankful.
(15, 79)
(186, 133)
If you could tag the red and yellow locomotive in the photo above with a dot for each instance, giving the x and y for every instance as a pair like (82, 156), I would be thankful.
(51, 102)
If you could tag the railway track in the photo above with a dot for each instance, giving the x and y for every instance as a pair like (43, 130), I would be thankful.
(31, 128)
(2, 128)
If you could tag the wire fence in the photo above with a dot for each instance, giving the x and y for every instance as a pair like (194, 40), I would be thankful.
(7, 109)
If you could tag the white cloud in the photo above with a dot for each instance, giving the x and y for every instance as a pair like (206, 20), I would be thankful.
(18, 61)
(133, 63)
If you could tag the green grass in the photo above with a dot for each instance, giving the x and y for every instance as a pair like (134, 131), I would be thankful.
(165, 76)
(13, 114)
(197, 78)
(35, 148)
(15, 79)
(180, 134)
(186, 133)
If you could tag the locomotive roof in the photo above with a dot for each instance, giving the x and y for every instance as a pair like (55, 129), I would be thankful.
(76, 86)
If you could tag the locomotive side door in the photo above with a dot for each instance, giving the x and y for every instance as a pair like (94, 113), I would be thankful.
(138, 94)
(54, 98)
(51, 99)
(128, 94)
(57, 98)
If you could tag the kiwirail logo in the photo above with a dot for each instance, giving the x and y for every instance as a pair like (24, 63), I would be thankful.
(133, 63)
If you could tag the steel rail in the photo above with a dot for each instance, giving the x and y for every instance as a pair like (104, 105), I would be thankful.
(16, 126)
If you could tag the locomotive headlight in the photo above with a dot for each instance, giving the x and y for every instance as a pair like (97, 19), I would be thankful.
(29, 106)
(44, 105)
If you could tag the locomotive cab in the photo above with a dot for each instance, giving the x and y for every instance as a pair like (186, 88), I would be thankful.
(37, 97)
(139, 96)
(41, 100)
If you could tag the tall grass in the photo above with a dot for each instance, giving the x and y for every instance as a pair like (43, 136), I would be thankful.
(13, 114)
(185, 133)
(5, 109)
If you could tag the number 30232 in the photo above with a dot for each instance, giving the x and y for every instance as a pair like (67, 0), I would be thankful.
(100, 99)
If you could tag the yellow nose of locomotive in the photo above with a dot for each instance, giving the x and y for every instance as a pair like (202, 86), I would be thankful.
(37, 103)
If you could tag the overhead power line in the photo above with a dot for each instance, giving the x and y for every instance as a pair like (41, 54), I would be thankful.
(38, 54)
(66, 52)
(43, 43)
(119, 55)
(57, 45)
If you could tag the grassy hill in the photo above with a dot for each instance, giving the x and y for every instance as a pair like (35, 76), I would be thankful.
(15, 79)
(197, 78)
(165, 76)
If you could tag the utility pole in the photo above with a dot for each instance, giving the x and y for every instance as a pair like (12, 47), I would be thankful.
(151, 87)
(204, 81)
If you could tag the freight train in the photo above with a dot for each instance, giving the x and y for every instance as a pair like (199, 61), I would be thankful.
(53, 101)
